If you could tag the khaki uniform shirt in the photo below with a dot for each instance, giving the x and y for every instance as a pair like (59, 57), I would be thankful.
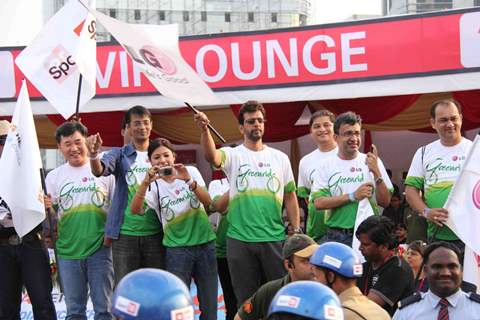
(356, 306)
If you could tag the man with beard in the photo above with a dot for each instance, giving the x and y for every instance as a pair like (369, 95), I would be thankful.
(386, 278)
(348, 178)
(261, 179)
(445, 300)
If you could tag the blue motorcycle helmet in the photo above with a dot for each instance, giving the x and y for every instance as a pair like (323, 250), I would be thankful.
(152, 294)
(305, 300)
(338, 258)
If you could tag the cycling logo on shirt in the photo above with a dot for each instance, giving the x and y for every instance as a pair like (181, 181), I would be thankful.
(70, 190)
(245, 173)
(434, 168)
(336, 180)
(131, 175)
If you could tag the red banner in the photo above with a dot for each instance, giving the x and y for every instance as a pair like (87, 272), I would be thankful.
(381, 49)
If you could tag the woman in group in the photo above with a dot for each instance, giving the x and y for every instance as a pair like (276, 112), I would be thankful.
(178, 194)
(414, 257)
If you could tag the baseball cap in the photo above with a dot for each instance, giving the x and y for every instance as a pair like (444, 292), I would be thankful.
(300, 245)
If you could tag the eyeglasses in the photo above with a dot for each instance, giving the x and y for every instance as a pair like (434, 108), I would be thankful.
(350, 134)
(252, 120)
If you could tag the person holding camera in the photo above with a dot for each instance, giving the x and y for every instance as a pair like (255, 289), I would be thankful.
(136, 240)
(179, 196)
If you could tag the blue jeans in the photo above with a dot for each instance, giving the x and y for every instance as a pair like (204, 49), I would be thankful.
(200, 263)
(95, 273)
(338, 235)
(134, 252)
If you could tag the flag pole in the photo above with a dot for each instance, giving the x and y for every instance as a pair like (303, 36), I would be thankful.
(51, 229)
(78, 96)
(219, 136)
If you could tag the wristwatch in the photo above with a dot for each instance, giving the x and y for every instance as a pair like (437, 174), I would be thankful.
(297, 230)
(426, 210)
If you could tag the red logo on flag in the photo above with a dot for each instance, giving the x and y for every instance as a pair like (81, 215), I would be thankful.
(476, 195)
(155, 57)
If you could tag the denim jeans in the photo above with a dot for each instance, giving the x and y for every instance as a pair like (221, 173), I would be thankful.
(134, 252)
(25, 264)
(200, 263)
(338, 235)
(95, 273)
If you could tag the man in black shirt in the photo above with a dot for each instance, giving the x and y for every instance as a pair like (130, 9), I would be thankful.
(23, 261)
(386, 278)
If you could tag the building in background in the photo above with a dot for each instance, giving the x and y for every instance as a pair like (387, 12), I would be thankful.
(395, 7)
(203, 16)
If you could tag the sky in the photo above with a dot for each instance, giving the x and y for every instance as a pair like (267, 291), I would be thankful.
(20, 20)
(326, 11)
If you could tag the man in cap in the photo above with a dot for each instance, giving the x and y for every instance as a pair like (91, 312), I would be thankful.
(296, 254)
(337, 266)
(24, 262)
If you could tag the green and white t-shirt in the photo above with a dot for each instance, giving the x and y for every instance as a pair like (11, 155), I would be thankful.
(434, 170)
(258, 180)
(316, 227)
(337, 177)
(135, 224)
(82, 202)
(185, 222)
(216, 189)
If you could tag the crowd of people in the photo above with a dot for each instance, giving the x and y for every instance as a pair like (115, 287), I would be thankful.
(124, 215)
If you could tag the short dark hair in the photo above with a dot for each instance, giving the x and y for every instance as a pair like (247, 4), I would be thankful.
(250, 106)
(349, 117)
(157, 143)
(444, 102)
(69, 128)
(321, 113)
(124, 122)
(379, 230)
(440, 244)
(136, 110)
(418, 246)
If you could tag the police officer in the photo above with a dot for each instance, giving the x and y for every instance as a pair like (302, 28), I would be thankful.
(24, 261)
(337, 266)
(305, 300)
(152, 294)
(444, 300)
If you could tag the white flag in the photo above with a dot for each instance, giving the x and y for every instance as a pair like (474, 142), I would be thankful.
(364, 211)
(463, 203)
(21, 187)
(471, 267)
(49, 61)
(154, 49)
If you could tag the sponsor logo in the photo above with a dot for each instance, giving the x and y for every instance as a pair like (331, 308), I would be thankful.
(476, 195)
(182, 314)
(127, 306)
(336, 180)
(332, 312)
(245, 173)
(288, 301)
(60, 64)
(434, 168)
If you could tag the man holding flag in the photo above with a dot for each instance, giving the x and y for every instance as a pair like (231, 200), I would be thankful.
(24, 260)
(435, 168)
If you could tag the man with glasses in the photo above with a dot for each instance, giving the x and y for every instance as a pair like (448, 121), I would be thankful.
(137, 238)
(261, 179)
(348, 178)
(435, 167)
